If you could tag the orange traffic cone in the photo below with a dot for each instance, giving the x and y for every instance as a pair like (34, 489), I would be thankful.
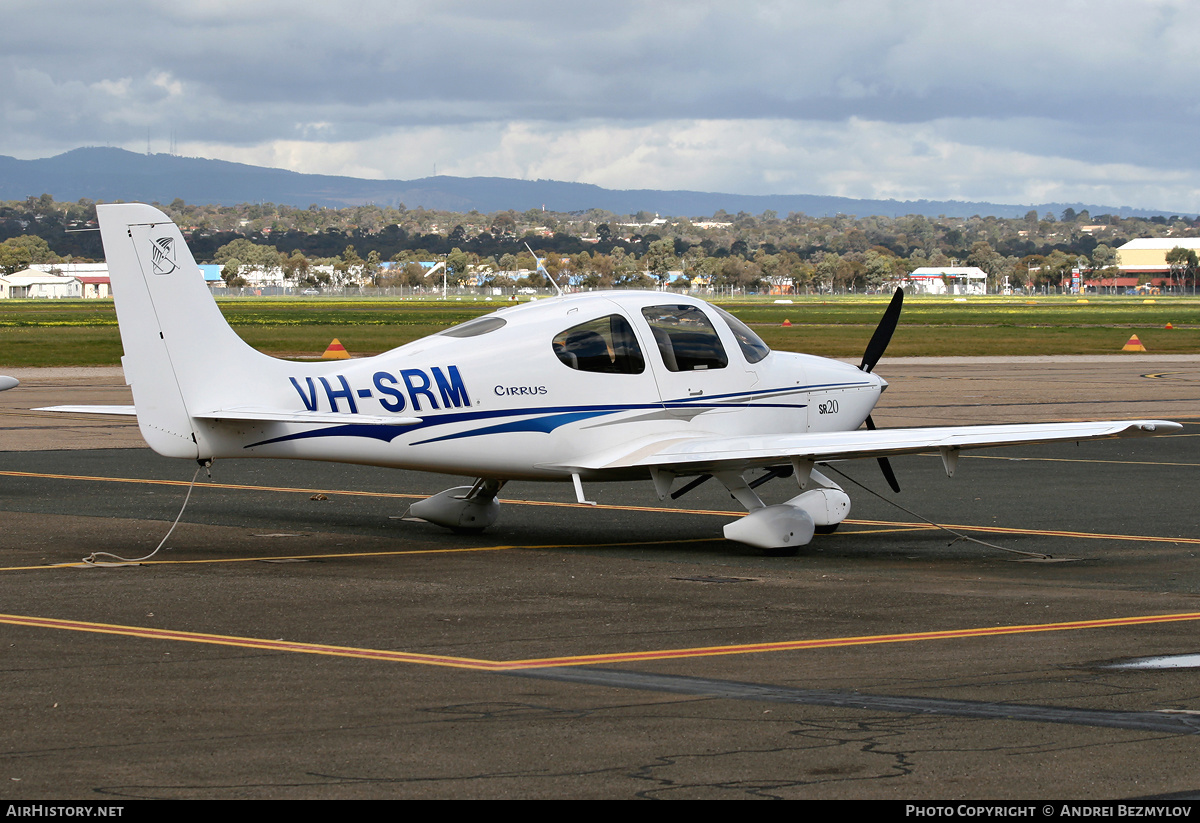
(1168, 327)
(787, 322)
(336, 351)
(1133, 344)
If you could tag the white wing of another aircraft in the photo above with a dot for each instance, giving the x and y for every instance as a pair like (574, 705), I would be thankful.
(603, 386)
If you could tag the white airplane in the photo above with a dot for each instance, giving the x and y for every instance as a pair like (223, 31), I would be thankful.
(610, 386)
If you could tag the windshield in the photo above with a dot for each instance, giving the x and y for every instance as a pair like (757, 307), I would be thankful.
(751, 344)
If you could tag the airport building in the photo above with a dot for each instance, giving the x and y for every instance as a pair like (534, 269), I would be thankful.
(947, 280)
(31, 283)
(1150, 253)
(57, 280)
(1145, 259)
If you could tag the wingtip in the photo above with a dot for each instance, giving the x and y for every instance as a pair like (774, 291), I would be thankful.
(1159, 426)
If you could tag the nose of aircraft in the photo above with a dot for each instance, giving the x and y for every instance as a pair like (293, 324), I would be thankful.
(879, 384)
(822, 371)
(855, 374)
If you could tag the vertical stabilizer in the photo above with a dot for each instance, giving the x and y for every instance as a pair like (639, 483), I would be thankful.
(177, 344)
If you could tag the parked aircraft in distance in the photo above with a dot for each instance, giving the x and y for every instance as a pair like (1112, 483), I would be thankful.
(602, 386)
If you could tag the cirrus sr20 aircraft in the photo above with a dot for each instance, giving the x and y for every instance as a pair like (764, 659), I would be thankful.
(603, 386)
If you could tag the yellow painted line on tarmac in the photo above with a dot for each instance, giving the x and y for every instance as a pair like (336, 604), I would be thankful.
(1166, 375)
(894, 528)
(347, 492)
(880, 527)
(115, 563)
(243, 642)
(393, 656)
(342, 555)
(624, 508)
(835, 642)
(201, 484)
(1037, 532)
(886, 525)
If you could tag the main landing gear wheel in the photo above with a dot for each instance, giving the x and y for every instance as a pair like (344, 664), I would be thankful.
(463, 509)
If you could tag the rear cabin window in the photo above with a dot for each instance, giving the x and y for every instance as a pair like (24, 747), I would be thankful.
(686, 339)
(606, 345)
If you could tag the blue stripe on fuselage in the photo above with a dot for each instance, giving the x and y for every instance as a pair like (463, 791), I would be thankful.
(547, 419)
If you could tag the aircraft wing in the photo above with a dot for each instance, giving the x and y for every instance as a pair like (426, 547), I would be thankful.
(711, 454)
(255, 414)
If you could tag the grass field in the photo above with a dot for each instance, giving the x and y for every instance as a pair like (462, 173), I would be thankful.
(84, 332)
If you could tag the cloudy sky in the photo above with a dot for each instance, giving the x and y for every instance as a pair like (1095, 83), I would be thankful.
(1011, 102)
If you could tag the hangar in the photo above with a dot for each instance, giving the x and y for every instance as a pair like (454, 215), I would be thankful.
(1145, 259)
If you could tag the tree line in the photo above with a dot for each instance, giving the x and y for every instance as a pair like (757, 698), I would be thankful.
(598, 249)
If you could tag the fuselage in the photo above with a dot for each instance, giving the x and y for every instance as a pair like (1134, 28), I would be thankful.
(525, 391)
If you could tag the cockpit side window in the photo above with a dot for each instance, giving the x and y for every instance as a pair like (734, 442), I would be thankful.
(751, 344)
(686, 339)
(606, 345)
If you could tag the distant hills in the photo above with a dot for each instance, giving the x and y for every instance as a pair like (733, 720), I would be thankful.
(115, 174)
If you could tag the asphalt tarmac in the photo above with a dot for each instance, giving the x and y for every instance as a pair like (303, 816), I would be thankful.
(296, 639)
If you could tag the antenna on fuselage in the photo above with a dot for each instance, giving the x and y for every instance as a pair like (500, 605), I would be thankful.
(537, 261)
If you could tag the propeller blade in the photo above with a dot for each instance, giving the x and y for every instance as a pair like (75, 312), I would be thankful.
(890, 476)
(885, 465)
(883, 332)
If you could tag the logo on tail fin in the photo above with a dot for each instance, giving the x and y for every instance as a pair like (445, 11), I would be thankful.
(162, 255)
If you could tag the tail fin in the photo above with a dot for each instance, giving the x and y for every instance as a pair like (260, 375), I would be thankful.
(179, 350)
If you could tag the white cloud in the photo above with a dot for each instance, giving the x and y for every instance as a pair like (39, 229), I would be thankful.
(168, 83)
(876, 98)
(858, 158)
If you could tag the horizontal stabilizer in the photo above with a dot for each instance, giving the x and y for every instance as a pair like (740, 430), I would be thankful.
(124, 411)
(258, 415)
